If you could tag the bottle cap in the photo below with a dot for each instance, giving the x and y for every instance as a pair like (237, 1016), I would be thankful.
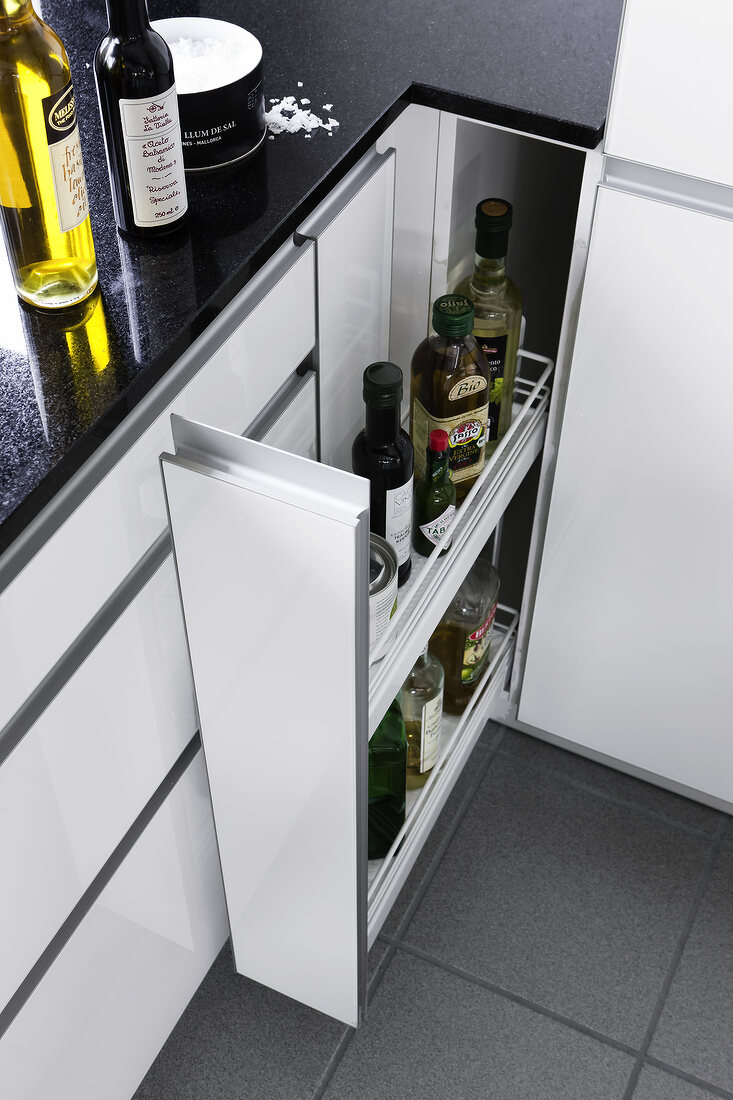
(453, 315)
(493, 222)
(438, 440)
(382, 385)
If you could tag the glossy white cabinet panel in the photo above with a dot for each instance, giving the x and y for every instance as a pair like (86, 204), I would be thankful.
(74, 784)
(272, 558)
(353, 235)
(414, 137)
(629, 648)
(671, 97)
(96, 1021)
(43, 610)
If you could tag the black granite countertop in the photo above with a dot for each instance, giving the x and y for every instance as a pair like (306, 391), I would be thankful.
(66, 382)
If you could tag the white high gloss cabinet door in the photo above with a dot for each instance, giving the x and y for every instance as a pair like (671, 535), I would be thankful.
(99, 1016)
(353, 234)
(272, 558)
(671, 97)
(75, 783)
(630, 644)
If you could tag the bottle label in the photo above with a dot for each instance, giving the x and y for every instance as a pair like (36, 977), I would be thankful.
(398, 520)
(152, 138)
(467, 387)
(477, 649)
(430, 732)
(434, 529)
(466, 440)
(67, 168)
(494, 349)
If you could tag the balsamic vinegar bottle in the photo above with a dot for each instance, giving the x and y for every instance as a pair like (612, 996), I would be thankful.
(382, 452)
(133, 69)
(44, 211)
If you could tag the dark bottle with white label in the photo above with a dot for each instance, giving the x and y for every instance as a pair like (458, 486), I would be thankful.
(450, 380)
(382, 452)
(133, 69)
(497, 306)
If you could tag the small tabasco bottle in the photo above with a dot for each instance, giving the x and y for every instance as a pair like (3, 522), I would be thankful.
(450, 390)
(435, 498)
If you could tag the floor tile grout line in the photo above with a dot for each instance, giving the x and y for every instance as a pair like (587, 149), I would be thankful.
(624, 803)
(690, 1078)
(517, 998)
(444, 844)
(333, 1063)
(702, 885)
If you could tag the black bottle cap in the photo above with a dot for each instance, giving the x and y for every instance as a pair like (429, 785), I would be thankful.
(453, 315)
(382, 385)
(493, 222)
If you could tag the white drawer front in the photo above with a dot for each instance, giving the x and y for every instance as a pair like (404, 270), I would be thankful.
(43, 610)
(74, 785)
(98, 1018)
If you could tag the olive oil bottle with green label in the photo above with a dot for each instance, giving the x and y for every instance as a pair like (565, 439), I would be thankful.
(450, 390)
(497, 306)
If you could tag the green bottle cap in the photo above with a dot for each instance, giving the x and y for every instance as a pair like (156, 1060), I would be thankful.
(453, 315)
(493, 222)
(382, 385)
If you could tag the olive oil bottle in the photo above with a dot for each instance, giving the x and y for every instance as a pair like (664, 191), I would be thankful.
(43, 198)
(497, 306)
(449, 391)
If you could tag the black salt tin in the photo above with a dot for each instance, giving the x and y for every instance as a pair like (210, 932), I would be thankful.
(221, 123)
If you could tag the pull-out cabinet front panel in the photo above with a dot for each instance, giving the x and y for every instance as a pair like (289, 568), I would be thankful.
(272, 558)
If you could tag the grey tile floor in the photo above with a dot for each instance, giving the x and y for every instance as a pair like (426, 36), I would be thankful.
(567, 934)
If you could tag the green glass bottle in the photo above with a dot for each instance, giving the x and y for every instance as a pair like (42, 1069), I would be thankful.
(387, 781)
(497, 307)
(435, 497)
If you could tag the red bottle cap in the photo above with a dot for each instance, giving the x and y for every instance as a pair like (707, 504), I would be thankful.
(438, 440)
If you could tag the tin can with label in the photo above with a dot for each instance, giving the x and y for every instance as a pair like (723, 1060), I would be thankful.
(382, 587)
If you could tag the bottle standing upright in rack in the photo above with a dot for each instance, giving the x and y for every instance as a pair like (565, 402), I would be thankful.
(449, 390)
(382, 452)
(421, 701)
(387, 782)
(43, 197)
(133, 69)
(435, 498)
(497, 305)
(461, 639)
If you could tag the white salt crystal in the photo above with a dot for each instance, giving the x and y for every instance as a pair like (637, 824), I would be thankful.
(328, 106)
(287, 116)
(305, 102)
(201, 64)
(300, 83)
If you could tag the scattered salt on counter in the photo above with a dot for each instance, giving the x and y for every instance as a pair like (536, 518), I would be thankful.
(205, 63)
(287, 117)
(328, 106)
(305, 102)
